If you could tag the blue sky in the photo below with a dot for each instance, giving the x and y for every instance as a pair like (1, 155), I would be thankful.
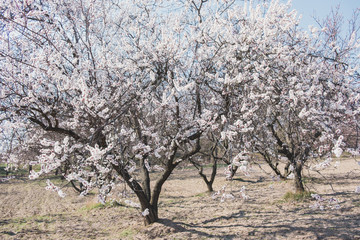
(321, 8)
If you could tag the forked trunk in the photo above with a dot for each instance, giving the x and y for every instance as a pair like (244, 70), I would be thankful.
(209, 187)
(149, 206)
(209, 182)
(274, 167)
(151, 215)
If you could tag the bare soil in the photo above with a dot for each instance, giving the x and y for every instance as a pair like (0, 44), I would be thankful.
(187, 211)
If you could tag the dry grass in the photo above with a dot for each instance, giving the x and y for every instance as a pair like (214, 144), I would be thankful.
(27, 211)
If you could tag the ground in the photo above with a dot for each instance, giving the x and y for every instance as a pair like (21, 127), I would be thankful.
(187, 211)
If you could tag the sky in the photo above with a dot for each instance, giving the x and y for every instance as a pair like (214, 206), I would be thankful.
(321, 8)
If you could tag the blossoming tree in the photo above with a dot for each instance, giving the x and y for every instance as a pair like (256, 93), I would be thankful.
(287, 94)
(120, 88)
(117, 83)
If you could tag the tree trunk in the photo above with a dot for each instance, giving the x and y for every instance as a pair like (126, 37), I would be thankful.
(152, 204)
(209, 187)
(274, 167)
(158, 185)
(141, 195)
(152, 215)
(233, 171)
(299, 186)
(212, 177)
(286, 169)
(209, 182)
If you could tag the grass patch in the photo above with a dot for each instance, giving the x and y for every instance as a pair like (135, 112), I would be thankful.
(91, 206)
(297, 197)
(127, 233)
(19, 172)
(2, 170)
(21, 224)
(44, 218)
(108, 204)
(204, 194)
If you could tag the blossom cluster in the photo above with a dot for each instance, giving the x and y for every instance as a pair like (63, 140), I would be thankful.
(229, 196)
(51, 187)
(323, 203)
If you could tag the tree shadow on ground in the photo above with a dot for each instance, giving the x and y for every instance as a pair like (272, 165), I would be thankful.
(239, 179)
(322, 228)
(338, 224)
(178, 226)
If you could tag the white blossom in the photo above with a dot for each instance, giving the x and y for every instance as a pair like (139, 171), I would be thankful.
(145, 212)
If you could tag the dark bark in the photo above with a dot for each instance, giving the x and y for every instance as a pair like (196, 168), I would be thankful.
(274, 167)
(158, 185)
(81, 187)
(208, 182)
(212, 176)
(168, 170)
(78, 189)
(209, 186)
(145, 179)
(152, 216)
(55, 129)
(299, 186)
(233, 171)
(286, 169)
(144, 201)
(145, 183)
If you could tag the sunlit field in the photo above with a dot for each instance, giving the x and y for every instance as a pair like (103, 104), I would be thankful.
(269, 210)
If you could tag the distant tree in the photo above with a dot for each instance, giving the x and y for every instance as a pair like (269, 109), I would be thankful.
(338, 38)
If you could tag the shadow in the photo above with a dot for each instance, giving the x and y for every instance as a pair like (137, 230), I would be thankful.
(287, 221)
(243, 180)
(234, 215)
(33, 231)
(6, 181)
(4, 222)
(178, 226)
(333, 178)
(345, 228)
(10, 233)
(338, 225)
(342, 228)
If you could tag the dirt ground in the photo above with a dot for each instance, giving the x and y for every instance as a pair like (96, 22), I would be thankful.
(187, 211)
